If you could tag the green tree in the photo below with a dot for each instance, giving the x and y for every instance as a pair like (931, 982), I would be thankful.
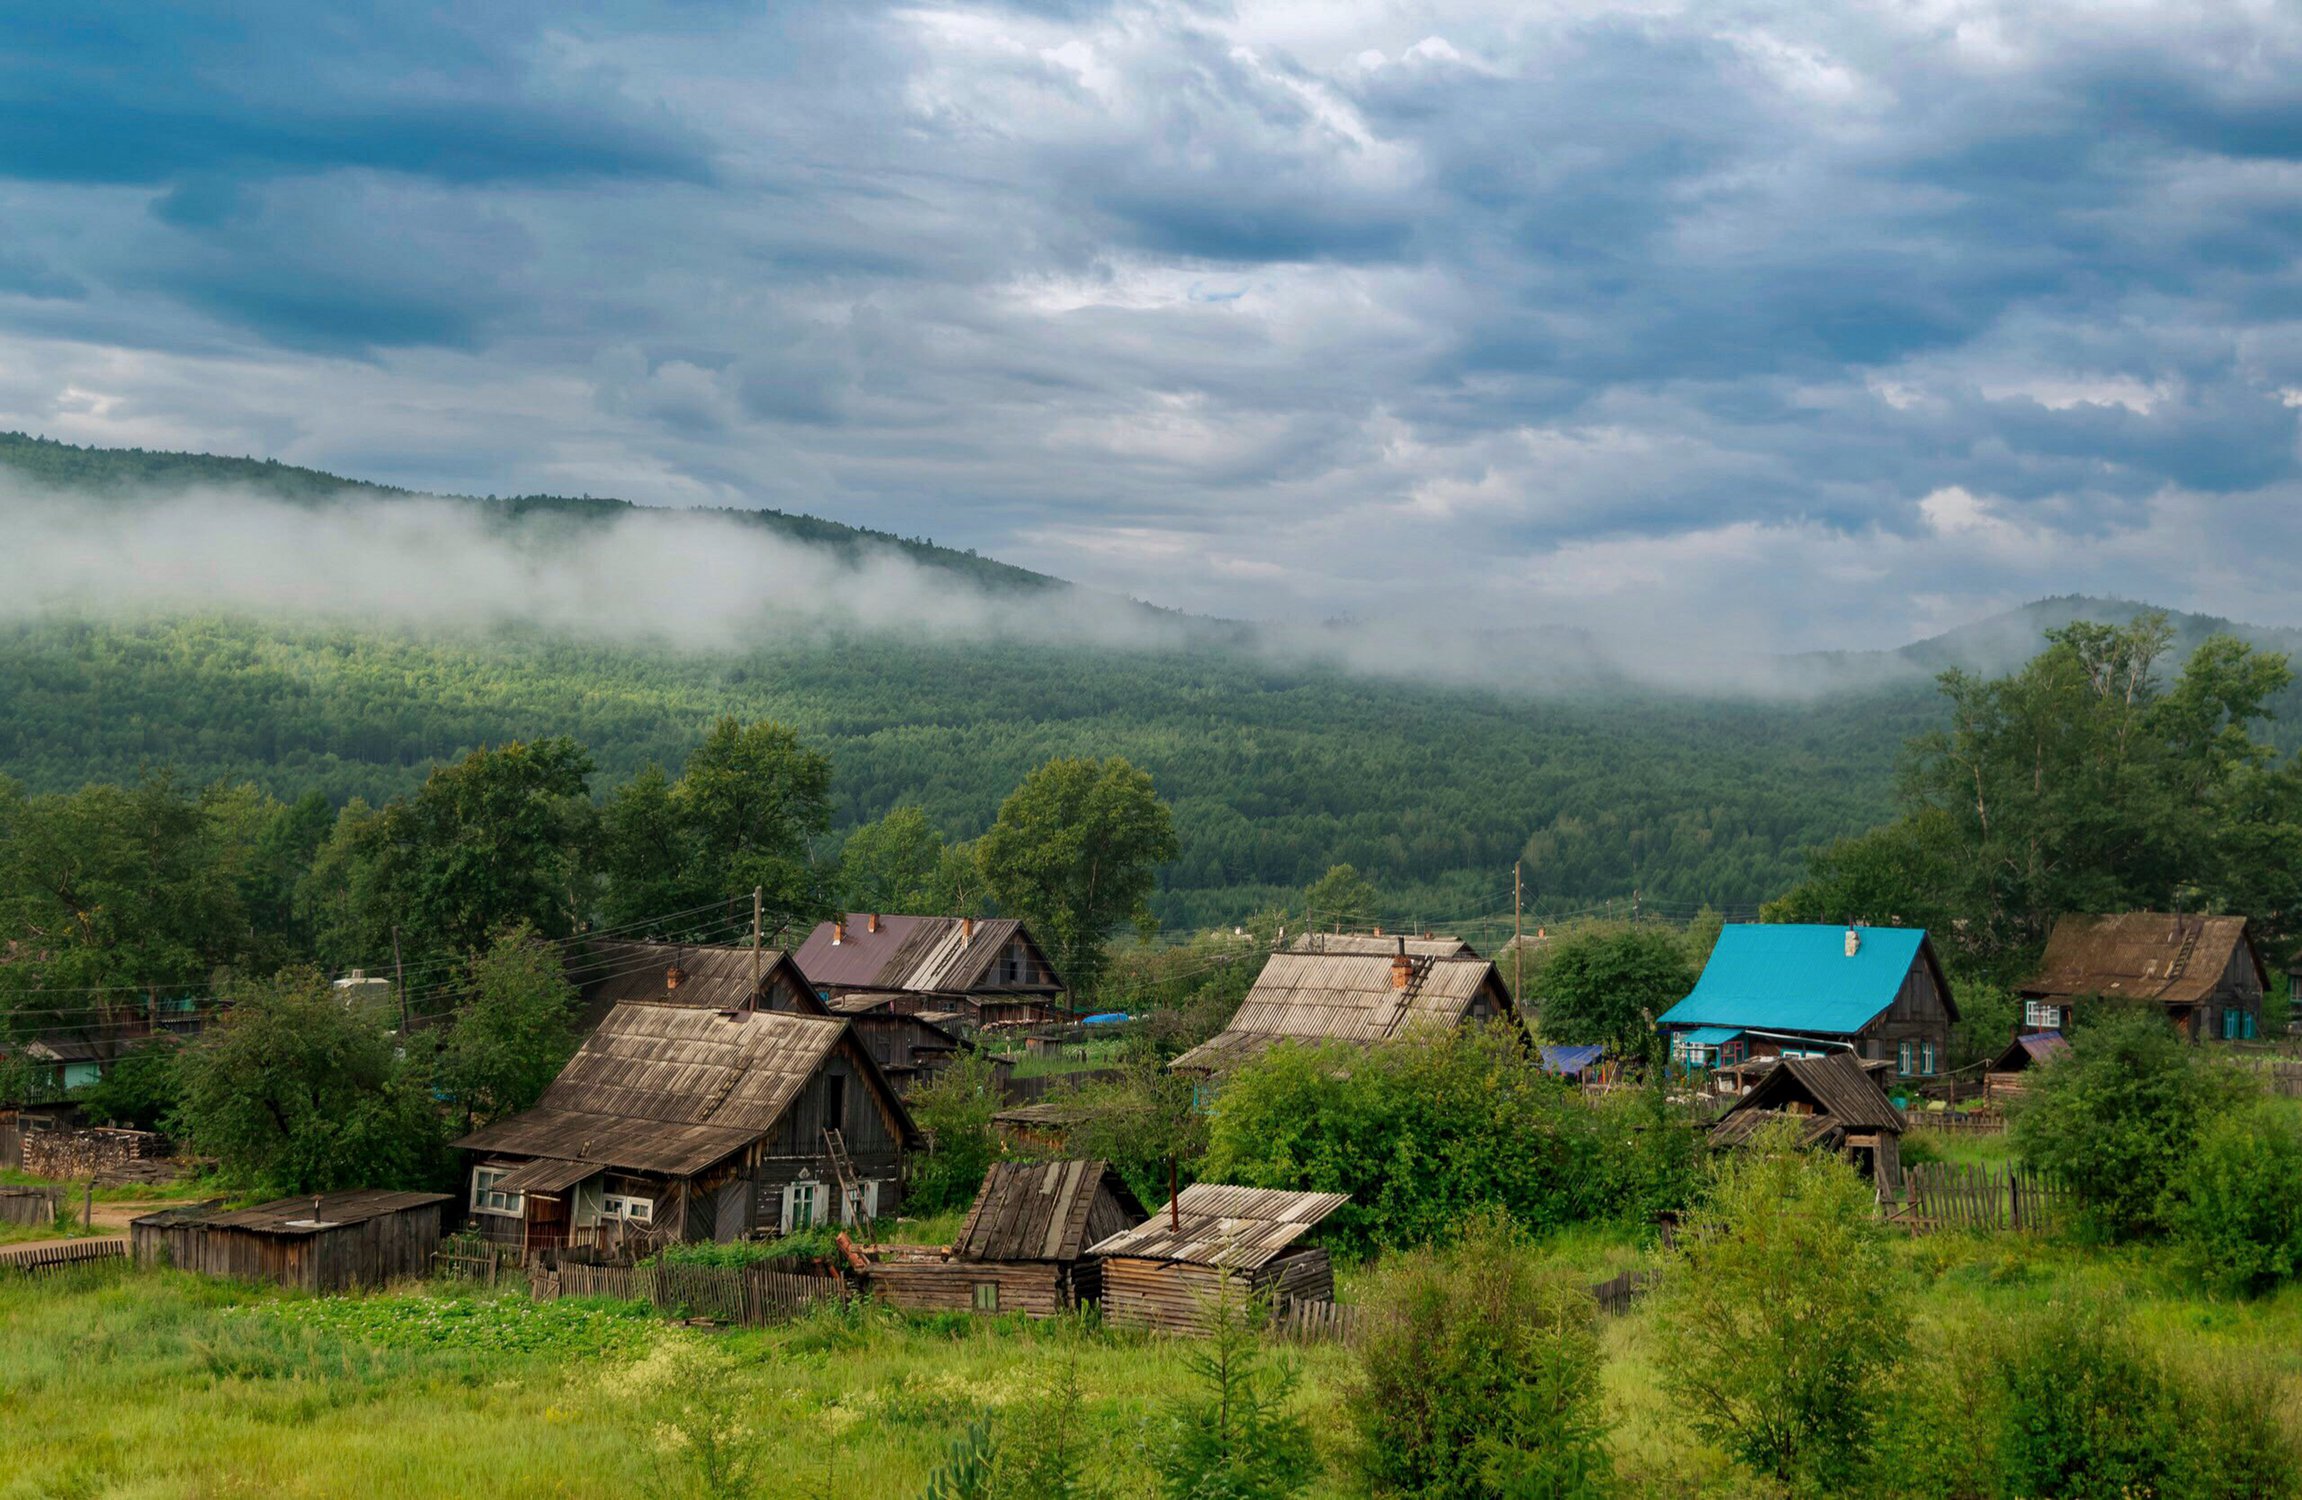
(1608, 985)
(1341, 898)
(2083, 782)
(1480, 1377)
(1781, 1314)
(1234, 1438)
(892, 865)
(513, 1031)
(502, 836)
(1075, 852)
(140, 1091)
(2119, 1117)
(298, 1092)
(2232, 1204)
(954, 1110)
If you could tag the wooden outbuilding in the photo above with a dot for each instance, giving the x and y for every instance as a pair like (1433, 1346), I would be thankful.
(1835, 1103)
(678, 1123)
(2009, 1072)
(1787, 989)
(1024, 1247)
(2204, 972)
(1167, 1272)
(1359, 998)
(332, 1242)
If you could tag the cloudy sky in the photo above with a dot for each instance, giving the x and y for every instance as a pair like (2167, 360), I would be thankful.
(1810, 325)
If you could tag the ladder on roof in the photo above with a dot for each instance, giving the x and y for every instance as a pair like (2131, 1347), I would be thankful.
(843, 1173)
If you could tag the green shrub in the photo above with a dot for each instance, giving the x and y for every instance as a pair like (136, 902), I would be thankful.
(1480, 1378)
(2235, 1207)
(817, 1243)
(2238, 1447)
(2085, 1413)
(1782, 1314)
(954, 1108)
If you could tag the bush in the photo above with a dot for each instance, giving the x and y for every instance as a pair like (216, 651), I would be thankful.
(2117, 1119)
(2085, 1412)
(1236, 1440)
(1424, 1134)
(1480, 1377)
(2235, 1207)
(1781, 1314)
(954, 1108)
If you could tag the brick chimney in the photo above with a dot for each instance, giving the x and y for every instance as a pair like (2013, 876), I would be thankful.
(1378, 929)
(872, 923)
(1402, 967)
(967, 929)
(1853, 942)
(673, 978)
(838, 932)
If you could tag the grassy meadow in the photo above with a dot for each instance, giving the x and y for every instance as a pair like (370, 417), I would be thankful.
(114, 1383)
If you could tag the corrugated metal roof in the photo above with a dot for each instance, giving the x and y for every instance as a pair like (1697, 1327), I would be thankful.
(914, 953)
(1039, 1210)
(1711, 1036)
(667, 1088)
(313, 1214)
(717, 976)
(1798, 977)
(2032, 1047)
(1235, 1227)
(2143, 955)
(1329, 997)
(543, 1175)
(1429, 945)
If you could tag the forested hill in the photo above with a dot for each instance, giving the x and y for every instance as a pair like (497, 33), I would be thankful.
(1275, 771)
(120, 472)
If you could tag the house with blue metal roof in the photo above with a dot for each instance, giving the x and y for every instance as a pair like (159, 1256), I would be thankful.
(1779, 989)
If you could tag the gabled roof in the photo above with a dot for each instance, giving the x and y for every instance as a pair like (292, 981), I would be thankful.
(1837, 1085)
(674, 1088)
(2143, 955)
(608, 972)
(1235, 1227)
(2028, 1049)
(1040, 1210)
(1330, 997)
(1797, 977)
(914, 953)
(1427, 946)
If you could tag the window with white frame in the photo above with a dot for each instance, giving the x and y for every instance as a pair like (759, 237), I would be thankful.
(626, 1206)
(800, 1207)
(1926, 1058)
(487, 1200)
(2041, 1014)
(1902, 1058)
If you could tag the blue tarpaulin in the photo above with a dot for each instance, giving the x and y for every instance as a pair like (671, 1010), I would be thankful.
(1106, 1018)
(1570, 1062)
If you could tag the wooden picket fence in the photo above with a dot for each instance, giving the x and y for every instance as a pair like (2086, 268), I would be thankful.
(1318, 1323)
(750, 1295)
(1616, 1294)
(1957, 1195)
(1957, 1122)
(43, 1257)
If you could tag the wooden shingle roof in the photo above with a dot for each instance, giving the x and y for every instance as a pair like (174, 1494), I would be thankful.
(1346, 997)
(1041, 1210)
(1836, 1086)
(2144, 955)
(1214, 1224)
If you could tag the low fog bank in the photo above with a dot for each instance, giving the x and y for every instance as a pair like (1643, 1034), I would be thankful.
(712, 582)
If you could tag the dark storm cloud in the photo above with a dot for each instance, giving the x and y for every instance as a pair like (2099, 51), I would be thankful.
(1591, 311)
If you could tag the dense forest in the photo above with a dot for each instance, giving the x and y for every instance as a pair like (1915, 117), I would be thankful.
(1274, 772)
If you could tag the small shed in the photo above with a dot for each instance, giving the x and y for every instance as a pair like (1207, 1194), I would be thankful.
(1168, 1271)
(328, 1243)
(2009, 1072)
(1836, 1103)
(1024, 1247)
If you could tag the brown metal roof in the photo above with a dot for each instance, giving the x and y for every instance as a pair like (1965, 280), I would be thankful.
(912, 953)
(1838, 1086)
(1331, 997)
(1427, 946)
(543, 1175)
(2145, 955)
(1235, 1227)
(1039, 1210)
(673, 1089)
(311, 1214)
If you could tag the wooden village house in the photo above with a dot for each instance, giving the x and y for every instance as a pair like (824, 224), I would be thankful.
(674, 1122)
(1797, 990)
(1360, 998)
(2203, 972)
(716, 976)
(1024, 1247)
(331, 1242)
(1835, 1104)
(958, 972)
(1167, 1272)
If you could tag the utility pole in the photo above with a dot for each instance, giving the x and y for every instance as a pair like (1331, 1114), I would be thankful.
(758, 898)
(1519, 932)
(400, 982)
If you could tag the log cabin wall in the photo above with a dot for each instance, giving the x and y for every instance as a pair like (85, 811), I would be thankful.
(1035, 1288)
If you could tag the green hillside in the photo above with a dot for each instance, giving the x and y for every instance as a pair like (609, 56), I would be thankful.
(1274, 772)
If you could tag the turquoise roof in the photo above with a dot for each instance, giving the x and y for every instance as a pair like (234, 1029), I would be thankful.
(1780, 976)
(1711, 1036)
